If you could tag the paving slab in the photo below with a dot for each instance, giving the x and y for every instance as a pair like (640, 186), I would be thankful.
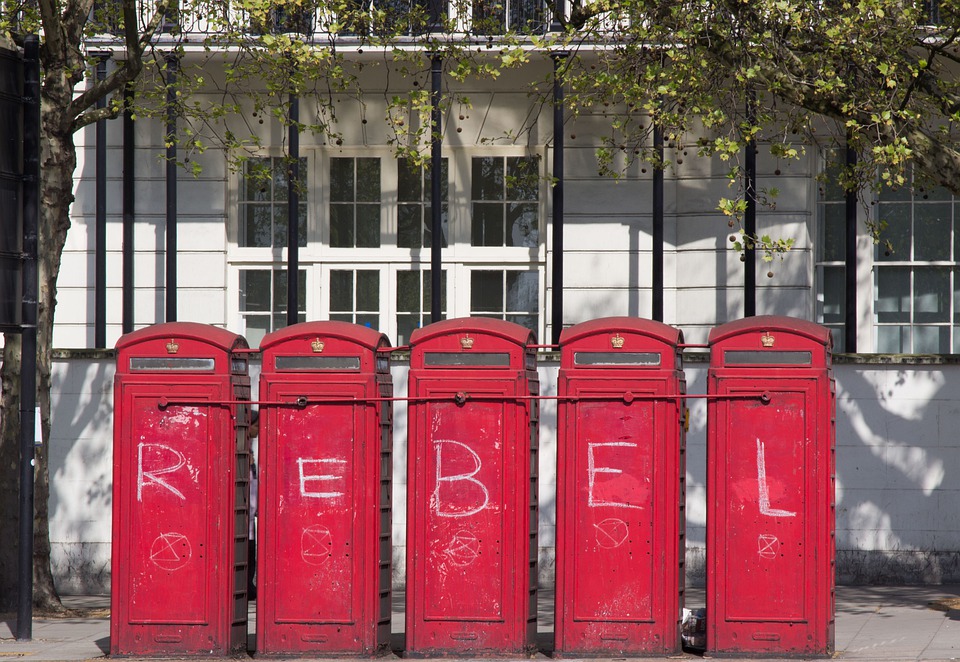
(877, 623)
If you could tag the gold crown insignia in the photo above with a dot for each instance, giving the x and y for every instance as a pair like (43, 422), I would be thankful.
(767, 339)
(317, 345)
(172, 347)
(466, 342)
(616, 341)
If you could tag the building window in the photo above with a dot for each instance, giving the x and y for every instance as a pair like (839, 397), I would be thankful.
(414, 297)
(263, 301)
(508, 295)
(264, 203)
(354, 202)
(916, 293)
(504, 201)
(414, 220)
(499, 16)
(355, 296)
(831, 250)
(916, 285)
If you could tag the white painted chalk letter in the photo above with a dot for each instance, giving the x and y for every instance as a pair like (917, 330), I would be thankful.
(593, 470)
(764, 489)
(152, 477)
(304, 464)
(456, 478)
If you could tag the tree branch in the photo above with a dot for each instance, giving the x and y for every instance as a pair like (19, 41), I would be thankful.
(136, 44)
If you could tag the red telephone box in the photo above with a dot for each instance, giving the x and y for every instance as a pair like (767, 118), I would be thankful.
(325, 450)
(180, 492)
(472, 489)
(620, 489)
(770, 488)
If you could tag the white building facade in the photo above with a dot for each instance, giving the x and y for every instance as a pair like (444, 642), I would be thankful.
(364, 257)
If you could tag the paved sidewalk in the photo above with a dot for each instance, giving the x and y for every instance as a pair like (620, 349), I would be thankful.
(883, 623)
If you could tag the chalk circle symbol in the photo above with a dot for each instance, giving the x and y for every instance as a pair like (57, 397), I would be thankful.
(316, 544)
(611, 532)
(463, 548)
(170, 551)
(767, 546)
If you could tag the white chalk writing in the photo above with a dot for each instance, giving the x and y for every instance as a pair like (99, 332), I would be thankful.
(463, 548)
(152, 477)
(316, 544)
(304, 464)
(764, 489)
(767, 546)
(593, 470)
(450, 510)
(611, 532)
(170, 551)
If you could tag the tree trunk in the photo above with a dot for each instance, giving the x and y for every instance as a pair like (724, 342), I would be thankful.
(57, 164)
(10, 472)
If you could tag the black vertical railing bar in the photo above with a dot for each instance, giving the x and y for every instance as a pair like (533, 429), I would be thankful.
(100, 231)
(129, 208)
(850, 260)
(28, 340)
(171, 140)
(750, 213)
(657, 204)
(293, 212)
(559, 59)
(436, 217)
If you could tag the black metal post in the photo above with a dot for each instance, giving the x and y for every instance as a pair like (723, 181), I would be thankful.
(171, 140)
(28, 346)
(559, 59)
(750, 216)
(293, 213)
(100, 255)
(436, 217)
(850, 268)
(129, 207)
(657, 203)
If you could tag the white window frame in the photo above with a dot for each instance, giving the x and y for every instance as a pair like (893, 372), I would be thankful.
(459, 257)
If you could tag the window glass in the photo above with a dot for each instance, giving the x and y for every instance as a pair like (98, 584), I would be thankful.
(504, 211)
(354, 202)
(355, 296)
(263, 301)
(414, 301)
(414, 219)
(264, 203)
(510, 295)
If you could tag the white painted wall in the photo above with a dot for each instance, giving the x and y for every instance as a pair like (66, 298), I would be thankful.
(898, 486)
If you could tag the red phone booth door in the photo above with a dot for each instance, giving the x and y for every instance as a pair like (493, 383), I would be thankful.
(471, 575)
(315, 474)
(173, 476)
(616, 528)
(766, 472)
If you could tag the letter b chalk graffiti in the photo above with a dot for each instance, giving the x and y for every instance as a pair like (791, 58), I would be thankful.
(446, 508)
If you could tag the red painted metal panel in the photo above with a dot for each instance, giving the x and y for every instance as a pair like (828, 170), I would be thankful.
(770, 480)
(619, 490)
(471, 492)
(324, 492)
(179, 501)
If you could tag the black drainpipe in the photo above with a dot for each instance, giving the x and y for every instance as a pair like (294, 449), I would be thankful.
(129, 158)
(171, 140)
(850, 270)
(436, 218)
(559, 58)
(750, 216)
(100, 232)
(657, 262)
(293, 214)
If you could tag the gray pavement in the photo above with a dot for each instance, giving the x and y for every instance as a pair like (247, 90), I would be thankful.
(883, 623)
